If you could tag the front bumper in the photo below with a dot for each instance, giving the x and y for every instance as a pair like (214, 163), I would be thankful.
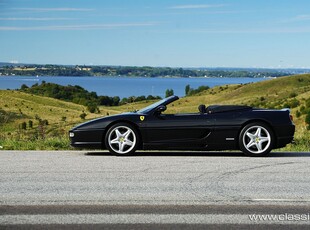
(93, 138)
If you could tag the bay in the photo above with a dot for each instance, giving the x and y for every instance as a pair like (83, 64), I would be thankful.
(125, 86)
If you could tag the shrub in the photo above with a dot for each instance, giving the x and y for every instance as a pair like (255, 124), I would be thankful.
(91, 107)
(30, 124)
(24, 126)
(307, 120)
(291, 104)
(294, 103)
(83, 116)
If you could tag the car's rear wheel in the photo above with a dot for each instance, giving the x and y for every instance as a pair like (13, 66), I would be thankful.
(256, 139)
(121, 139)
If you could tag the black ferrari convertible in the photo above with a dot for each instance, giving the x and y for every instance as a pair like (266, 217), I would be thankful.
(254, 131)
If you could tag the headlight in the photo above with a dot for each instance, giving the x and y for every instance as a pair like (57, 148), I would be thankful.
(71, 134)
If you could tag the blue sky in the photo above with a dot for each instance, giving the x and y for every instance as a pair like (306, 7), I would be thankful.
(176, 33)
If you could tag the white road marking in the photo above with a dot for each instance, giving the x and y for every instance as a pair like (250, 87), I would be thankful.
(281, 200)
(139, 219)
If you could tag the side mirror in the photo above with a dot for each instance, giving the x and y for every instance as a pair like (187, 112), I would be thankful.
(160, 109)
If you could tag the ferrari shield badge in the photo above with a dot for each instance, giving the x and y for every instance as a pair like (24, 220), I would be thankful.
(141, 118)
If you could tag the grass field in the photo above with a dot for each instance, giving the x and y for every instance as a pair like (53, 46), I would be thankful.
(51, 119)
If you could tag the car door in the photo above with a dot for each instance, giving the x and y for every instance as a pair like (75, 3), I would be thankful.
(177, 129)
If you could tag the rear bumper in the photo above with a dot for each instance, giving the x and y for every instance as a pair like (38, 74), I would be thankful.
(283, 141)
(285, 135)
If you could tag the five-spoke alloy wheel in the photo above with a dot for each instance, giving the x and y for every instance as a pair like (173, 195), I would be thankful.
(256, 139)
(121, 139)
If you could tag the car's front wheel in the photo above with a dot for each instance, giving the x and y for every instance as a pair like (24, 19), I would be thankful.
(121, 139)
(256, 139)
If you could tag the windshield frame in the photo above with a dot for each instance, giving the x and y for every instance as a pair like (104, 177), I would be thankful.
(153, 106)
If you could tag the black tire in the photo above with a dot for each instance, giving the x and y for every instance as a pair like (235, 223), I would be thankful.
(122, 139)
(256, 139)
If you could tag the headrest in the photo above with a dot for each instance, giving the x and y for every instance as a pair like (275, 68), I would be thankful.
(202, 109)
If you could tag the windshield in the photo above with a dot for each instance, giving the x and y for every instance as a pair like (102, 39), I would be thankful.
(164, 101)
(152, 106)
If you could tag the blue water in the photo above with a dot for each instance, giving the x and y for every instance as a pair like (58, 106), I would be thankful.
(124, 86)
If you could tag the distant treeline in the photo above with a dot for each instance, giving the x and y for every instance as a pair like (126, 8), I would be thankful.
(79, 95)
(132, 71)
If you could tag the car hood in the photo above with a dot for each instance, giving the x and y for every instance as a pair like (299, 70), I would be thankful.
(102, 122)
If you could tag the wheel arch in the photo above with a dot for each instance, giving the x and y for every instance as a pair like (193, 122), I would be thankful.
(122, 121)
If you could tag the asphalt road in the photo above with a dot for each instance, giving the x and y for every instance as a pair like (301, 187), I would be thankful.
(167, 190)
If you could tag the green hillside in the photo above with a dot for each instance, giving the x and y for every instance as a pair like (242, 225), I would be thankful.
(275, 93)
(17, 109)
(51, 119)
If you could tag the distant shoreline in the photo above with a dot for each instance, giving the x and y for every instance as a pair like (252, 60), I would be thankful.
(147, 72)
(108, 76)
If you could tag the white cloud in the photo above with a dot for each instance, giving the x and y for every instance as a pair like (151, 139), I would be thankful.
(35, 19)
(201, 6)
(298, 18)
(53, 9)
(284, 30)
(78, 27)
(303, 17)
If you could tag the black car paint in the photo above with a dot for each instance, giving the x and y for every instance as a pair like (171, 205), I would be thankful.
(193, 131)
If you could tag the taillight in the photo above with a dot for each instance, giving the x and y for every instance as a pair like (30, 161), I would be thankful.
(291, 117)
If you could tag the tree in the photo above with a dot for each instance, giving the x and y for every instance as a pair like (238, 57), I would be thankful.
(116, 100)
(24, 87)
(169, 92)
(105, 100)
(187, 90)
(191, 91)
